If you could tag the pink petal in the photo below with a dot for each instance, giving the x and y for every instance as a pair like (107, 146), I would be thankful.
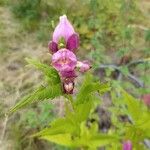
(127, 145)
(146, 99)
(68, 87)
(83, 66)
(64, 60)
(68, 74)
(63, 29)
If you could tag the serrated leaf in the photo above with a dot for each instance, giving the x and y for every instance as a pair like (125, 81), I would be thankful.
(62, 139)
(50, 72)
(134, 106)
(89, 87)
(101, 140)
(83, 110)
(59, 126)
(85, 140)
(42, 93)
(52, 90)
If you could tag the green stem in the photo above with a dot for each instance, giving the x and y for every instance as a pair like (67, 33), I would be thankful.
(70, 98)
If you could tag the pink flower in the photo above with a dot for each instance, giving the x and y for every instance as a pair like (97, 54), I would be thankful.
(67, 78)
(64, 30)
(146, 99)
(127, 145)
(64, 60)
(83, 66)
(68, 85)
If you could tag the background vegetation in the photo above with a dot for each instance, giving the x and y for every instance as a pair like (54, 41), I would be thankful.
(114, 36)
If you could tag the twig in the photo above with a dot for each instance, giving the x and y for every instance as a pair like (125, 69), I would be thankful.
(4, 129)
(115, 67)
(6, 116)
(138, 26)
(139, 82)
(136, 62)
(147, 143)
(119, 78)
(112, 66)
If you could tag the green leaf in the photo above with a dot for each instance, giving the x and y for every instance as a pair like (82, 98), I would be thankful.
(83, 110)
(62, 139)
(49, 72)
(124, 70)
(40, 94)
(135, 107)
(50, 91)
(86, 139)
(88, 87)
(59, 126)
(72, 130)
(100, 140)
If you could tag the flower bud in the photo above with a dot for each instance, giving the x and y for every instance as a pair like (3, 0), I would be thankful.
(63, 29)
(146, 99)
(83, 66)
(64, 36)
(67, 79)
(68, 87)
(127, 145)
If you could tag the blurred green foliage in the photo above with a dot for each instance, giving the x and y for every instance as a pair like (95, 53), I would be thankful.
(74, 129)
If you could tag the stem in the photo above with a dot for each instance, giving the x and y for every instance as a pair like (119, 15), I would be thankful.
(136, 80)
(4, 129)
(70, 98)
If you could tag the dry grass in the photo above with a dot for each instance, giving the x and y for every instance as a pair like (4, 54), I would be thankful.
(15, 78)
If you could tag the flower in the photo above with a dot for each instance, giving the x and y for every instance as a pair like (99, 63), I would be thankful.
(68, 85)
(127, 145)
(64, 30)
(83, 66)
(62, 46)
(64, 60)
(146, 99)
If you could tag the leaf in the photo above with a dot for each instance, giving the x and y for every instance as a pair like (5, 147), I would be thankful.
(90, 138)
(104, 87)
(49, 72)
(62, 139)
(124, 70)
(91, 142)
(41, 93)
(83, 110)
(72, 130)
(101, 140)
(134, 106)
(88, 87)
(52, 90)
(59, 126)
(84, 140)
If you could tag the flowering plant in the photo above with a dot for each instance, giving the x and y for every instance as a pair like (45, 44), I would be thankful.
(78, 128)
(63, 47)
